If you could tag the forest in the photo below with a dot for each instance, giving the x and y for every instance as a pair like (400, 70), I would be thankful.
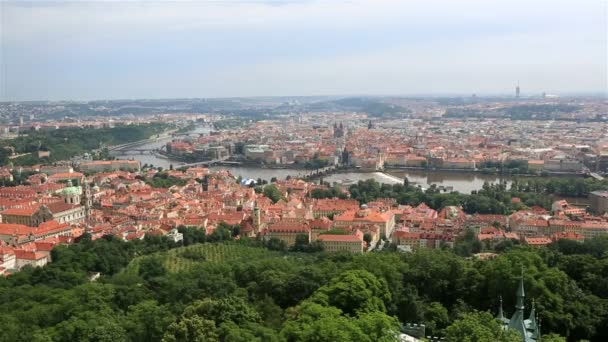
(215, 288)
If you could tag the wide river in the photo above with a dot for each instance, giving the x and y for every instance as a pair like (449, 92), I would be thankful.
(463, 182)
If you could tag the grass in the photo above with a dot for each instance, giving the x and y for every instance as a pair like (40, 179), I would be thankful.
(183, 258)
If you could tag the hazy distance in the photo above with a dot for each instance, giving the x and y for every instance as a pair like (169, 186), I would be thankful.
(103, 50)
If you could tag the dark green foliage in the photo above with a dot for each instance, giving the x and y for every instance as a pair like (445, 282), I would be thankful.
(290, 296)
(333, 192)
(272, 192)
(163, 180)
(479, 327)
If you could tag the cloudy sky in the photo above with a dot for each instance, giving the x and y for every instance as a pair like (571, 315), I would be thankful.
(149, 49)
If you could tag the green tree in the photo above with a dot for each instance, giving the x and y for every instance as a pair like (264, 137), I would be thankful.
(191, 329)
(355, 291)
(479, 327)
(147, 321)
(272, 192)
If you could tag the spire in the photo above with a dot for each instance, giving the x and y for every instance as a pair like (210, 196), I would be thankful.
(501, 315)
(533, 319)
(532, 316)
(517, 320)
(521, 295)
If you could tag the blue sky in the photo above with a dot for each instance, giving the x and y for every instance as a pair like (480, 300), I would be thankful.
(144, 49)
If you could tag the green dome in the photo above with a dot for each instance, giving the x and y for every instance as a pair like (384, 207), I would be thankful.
(71, 191)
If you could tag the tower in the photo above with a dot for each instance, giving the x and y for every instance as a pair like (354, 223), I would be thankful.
(517, 90)
(205, 183)
(87, 198)
(257, 217)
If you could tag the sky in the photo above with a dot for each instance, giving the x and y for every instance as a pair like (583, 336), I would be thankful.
(84, 50)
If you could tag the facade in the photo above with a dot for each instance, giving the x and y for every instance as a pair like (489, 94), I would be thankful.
(329, 207)
(339, 242)
(366, 217)
(35, 215)
(599, 202)
(287, 231)
(110, 165)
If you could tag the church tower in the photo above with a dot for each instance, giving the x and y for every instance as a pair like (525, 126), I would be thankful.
(257, 218)
(87, 198)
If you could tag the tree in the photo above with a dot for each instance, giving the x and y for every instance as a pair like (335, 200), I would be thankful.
(231, 309)
(354, 292)
(367, 237)
(553, 338)
(272, 192)
(151, 267)
(147, 321)
(436, 318)
(479, 327)
(317, 323)
(191, 329)
(301, 244)
(311, 322)
(276, 244)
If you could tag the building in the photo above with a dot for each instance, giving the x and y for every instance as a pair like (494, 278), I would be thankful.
(330, 207)
(35, 215)
(339, 242)
(287, 231)
(18, 233)
(110, 165)
(528, 328)
(366, 217)
(598, 202)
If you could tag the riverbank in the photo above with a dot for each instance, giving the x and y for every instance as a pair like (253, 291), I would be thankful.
(485, 172)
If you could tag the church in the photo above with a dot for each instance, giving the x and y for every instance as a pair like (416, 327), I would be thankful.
(528, 328)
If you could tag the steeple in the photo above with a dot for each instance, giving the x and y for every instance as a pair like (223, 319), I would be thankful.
(520, 293)
(517, 320)
(501, 315)
(532, 319)
(257, 217)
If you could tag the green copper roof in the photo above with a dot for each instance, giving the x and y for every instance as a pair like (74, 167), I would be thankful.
(71, 191)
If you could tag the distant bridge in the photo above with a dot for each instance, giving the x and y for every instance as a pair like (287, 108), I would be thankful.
(596, 176)
(211, 162)
(135, 151)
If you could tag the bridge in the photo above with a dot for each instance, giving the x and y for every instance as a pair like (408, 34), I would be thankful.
(211, 162)
(596, 176)
(135, 151)
(128, 146)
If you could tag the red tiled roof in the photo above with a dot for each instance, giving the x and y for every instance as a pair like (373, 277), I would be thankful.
(339, 238)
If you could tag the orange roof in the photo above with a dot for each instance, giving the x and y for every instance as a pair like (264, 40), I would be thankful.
(369, 216)
(29, 255)
(26, 211)
(63, 175)
(537, 241)
(15, 229)
(339, 238)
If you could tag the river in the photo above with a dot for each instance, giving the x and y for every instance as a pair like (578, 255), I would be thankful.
(464, 182)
